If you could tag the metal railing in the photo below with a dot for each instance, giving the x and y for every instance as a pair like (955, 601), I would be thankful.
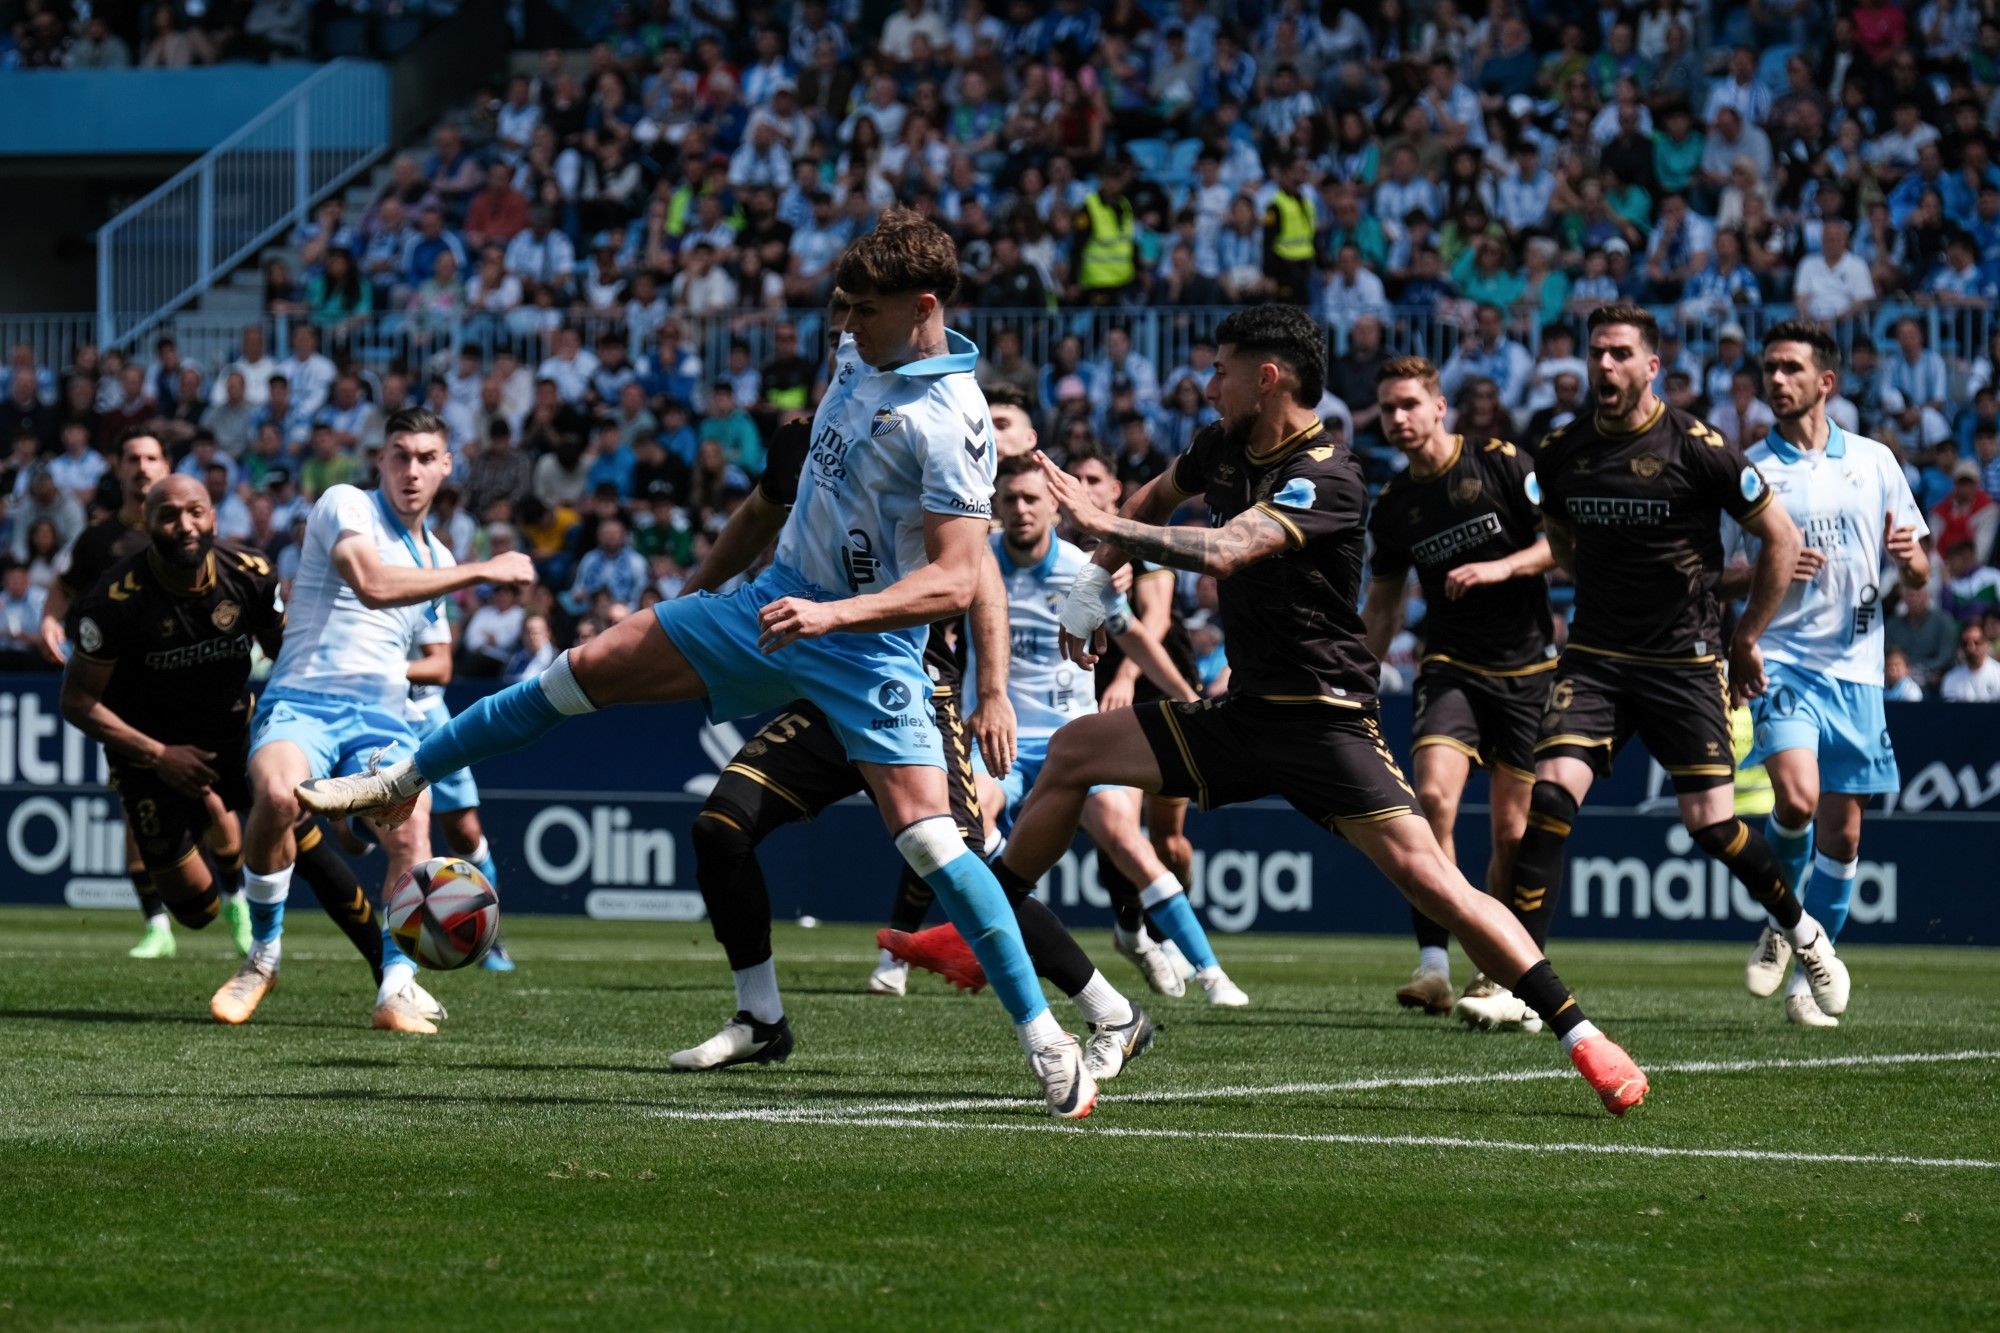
(221, 209)
(1165, 334)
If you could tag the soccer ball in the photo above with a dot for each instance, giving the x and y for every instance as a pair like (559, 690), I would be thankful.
(443, 913)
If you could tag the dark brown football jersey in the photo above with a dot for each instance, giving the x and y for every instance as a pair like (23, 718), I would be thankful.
(1644, 511)
(1480, 506)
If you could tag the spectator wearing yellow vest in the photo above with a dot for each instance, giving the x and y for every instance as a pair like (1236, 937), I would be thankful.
(1290, 221)
(1105, 257)
(1753, 784)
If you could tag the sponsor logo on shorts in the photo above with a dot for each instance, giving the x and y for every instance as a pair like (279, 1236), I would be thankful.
(893, 695)
(901, 722)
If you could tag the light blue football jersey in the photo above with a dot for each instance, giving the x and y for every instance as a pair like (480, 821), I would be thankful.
(1840, 497)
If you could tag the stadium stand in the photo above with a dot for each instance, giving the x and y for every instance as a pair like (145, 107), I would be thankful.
(608, 270)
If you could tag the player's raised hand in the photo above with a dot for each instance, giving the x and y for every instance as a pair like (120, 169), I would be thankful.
(185, 769)
(1071, 497)
(1746, 671)
(511, 567)
(1811, 562)
(790, 619)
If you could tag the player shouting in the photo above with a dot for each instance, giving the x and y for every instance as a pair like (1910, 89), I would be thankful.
(1821, 732)
(1633, 496)
(1464, 517)
(887, 537)
(1300, 719)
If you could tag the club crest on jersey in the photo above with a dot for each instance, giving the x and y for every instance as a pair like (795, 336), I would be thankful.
(1647, 467)
(1466, 492)
(225, 615)
(885, 420)
(1295, 494)
(1752, 483)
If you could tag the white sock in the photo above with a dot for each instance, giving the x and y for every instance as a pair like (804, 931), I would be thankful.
(1038, 1031)
(1431, 958)
(1133, 941)
(559, 684)
(1161, 889)
(395, 976)
(1209, 975)
(996, 843)
(272, 887)
(887, 960)
(1101, 1003)
(479, 854)
(229, 895)
(159, 919)
(1799, 985)
(1576, 1034)
(757, 992)
(1805, 932)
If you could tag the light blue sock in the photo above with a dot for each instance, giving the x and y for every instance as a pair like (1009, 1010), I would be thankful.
(1831, 892)
(483, 858)
(267, 921)
(1793, 848)
(495, 725)
(1176, 917)
(392, 956)
(265, 895)
(505, 721)
(974, 901)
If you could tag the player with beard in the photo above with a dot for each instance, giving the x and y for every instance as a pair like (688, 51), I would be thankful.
(160, 677)
(1121, 684)
(1300, 721)
(1820, 728)
(1633, 498)
(1463, 516)
(141, 461)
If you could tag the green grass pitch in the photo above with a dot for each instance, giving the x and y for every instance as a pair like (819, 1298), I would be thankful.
(537, 1166)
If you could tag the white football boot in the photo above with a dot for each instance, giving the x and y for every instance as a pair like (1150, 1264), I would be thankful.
(1769, 958)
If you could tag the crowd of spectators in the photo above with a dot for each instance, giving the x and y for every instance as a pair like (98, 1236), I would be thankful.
(551, 272)
(181, 34)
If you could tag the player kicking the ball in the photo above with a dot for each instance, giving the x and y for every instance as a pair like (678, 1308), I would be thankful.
(365, 593)
(1300, 719)
(1465, 519)
(1821, 732)
(888, 536)
(1633, 497)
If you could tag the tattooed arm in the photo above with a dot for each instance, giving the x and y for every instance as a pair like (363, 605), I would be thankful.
(1256, 534)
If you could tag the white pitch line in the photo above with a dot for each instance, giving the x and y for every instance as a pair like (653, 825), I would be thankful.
(779, 1114)
(1421, 1141)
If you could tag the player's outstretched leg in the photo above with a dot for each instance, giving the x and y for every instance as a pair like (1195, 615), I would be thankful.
(1406, 852)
